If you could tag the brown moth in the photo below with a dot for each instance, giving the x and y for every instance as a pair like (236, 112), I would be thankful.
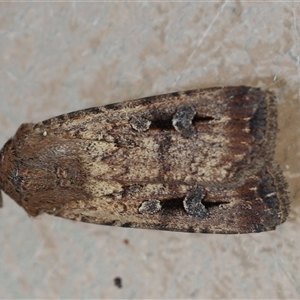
(194, 161)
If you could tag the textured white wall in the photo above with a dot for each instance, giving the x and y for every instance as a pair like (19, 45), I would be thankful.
(60, 57)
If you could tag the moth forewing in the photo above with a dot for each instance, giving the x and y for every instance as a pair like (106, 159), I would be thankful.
(195, 161)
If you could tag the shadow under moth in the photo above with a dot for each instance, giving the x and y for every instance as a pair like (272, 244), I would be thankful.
(194, 161)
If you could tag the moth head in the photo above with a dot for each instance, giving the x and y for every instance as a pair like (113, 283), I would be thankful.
(41, 172)
(6, 168)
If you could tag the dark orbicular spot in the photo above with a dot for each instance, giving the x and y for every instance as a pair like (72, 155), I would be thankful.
(193, 203)
(150, 207)
(139, 123)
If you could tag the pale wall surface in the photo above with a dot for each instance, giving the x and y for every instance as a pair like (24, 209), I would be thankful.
(60, 57)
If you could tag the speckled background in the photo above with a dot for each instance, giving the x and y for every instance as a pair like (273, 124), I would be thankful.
(60, 57)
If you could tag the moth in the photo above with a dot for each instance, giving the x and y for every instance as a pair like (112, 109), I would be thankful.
(194, 161)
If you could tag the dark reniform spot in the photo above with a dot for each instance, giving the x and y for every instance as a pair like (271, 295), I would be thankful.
(193, 203)
(183, 118)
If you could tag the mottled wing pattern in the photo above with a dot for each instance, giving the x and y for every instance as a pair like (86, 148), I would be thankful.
(196, 161)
